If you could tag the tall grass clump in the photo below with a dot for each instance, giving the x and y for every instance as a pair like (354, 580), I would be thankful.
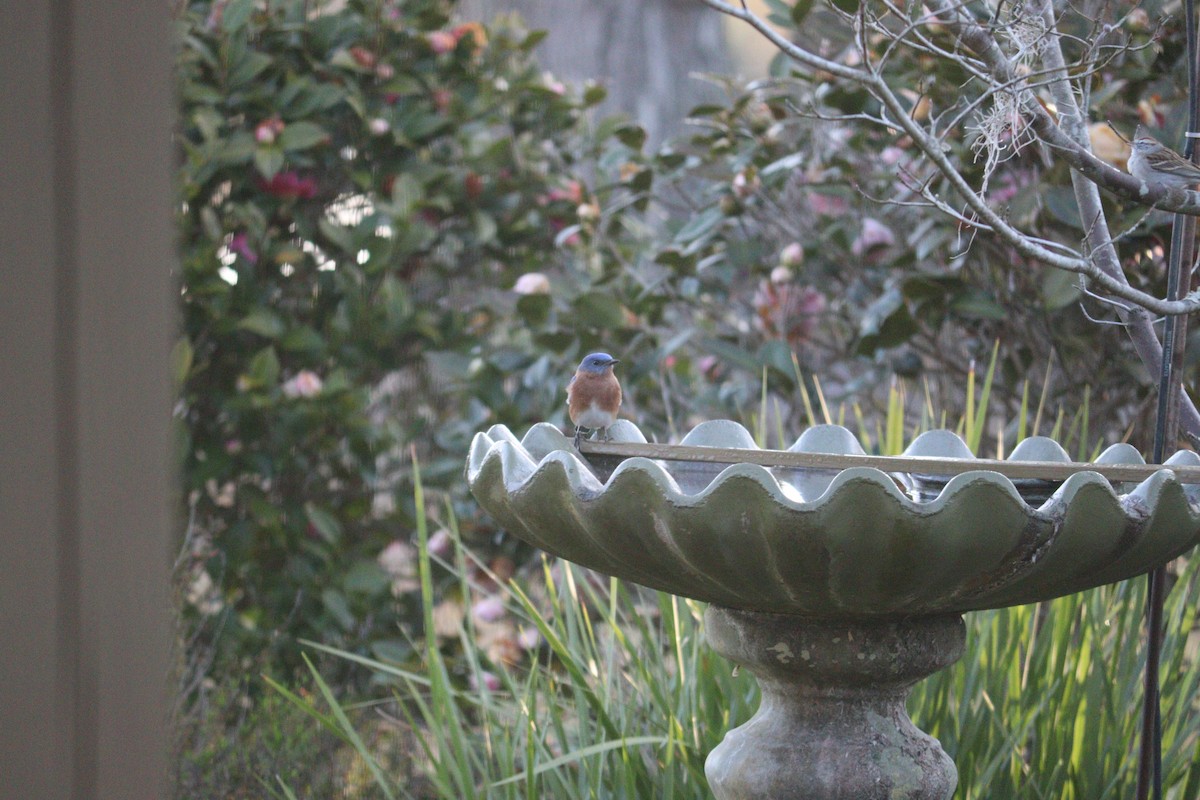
(623, 699)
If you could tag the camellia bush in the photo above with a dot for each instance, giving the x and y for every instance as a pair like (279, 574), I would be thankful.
(386, 227)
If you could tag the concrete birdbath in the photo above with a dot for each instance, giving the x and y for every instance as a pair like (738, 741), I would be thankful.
(838, 589)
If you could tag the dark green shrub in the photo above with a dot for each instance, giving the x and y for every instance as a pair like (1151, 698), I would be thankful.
(361, 191)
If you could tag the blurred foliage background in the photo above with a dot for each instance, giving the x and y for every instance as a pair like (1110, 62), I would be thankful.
(397, 229)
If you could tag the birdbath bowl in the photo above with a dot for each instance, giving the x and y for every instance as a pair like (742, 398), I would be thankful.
(837, 589)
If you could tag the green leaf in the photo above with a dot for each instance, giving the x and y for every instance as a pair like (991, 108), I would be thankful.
(407, 191)
(594, 94)
(1060, 202)
(800, 11)
(732, 354)
(264, 322)
(777, 355)
(886, 323)
(317, 98)
(534, 309)
(485, 227)
(848, 100)
(263, 369)
(302, 339)
(265, 513)
(977, 304)
(268, 160)
(248, 67)
(335, 603)
(236, 14)
(239, 148)
(675, 260)
(324, 522)
(599, 310)
(396, 651)
(302, 135)
(1059, 289)
(632, 136)
(340, 237)
(533, 39)
(181, 361)
(366, 577)
(700, 225)
(845, 6)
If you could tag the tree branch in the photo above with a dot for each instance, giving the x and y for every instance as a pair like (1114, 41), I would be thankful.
(932, 148)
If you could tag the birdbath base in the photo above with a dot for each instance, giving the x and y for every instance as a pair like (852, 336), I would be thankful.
(832, 723)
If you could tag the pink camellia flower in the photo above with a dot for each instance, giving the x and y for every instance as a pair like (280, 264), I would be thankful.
(398, 558)
(363, 57)
(874, 234)
(240, 245)
(441, 41)
(304, 383)
(787, 311)
(781, 274)
(529, 638)
(442, 98)
(489, 609)
(267, 130)
(792, 255)
(379, 126)
(709, 367)
(553, 84)
(827, 205)
(441, 544)
(532, 283)
(746, 183)
(289, 185)
(571, 192)
(384, 71)
(811, 301)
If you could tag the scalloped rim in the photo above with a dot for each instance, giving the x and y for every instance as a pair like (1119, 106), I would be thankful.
(520, 467)
(544, 492)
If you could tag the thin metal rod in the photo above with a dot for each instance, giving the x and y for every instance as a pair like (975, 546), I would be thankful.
(922, 465)
(1166, 432)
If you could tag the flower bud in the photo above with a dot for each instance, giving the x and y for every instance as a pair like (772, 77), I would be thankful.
(792, 255)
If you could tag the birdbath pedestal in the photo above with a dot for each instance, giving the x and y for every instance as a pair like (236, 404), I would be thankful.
(838, 589)
(832, 722)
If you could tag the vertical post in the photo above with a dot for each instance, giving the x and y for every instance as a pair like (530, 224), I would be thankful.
(1166, 433)
(86, 323)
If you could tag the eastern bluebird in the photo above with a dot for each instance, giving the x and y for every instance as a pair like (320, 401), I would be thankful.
(594, 395)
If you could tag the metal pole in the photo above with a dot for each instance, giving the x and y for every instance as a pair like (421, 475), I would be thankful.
(1166, 433)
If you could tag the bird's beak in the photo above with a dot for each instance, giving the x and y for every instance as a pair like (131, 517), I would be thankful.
(614, 361)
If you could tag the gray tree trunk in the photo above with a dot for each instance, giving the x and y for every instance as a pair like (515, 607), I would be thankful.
(643, 51)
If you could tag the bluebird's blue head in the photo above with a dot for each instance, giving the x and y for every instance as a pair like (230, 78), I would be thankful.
(596, 363)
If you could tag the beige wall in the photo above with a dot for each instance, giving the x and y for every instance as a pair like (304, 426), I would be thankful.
(86, 321)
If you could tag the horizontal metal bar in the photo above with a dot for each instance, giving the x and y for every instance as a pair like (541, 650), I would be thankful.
(922, 465)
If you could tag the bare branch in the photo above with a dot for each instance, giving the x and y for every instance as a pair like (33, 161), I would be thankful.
(1110, 281)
